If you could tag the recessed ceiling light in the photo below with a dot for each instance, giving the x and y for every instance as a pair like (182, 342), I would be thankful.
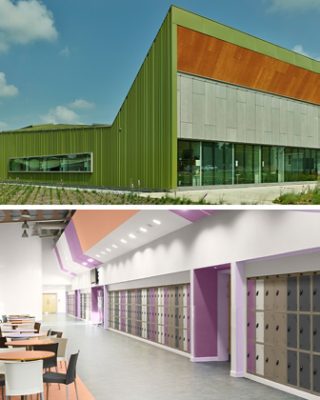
(114, 246)
(156, 221)
(98, 255)
(103, 252)
(123, 241)
(108, 250)
(90, 260)
(84, 263)
(144, 230)
(132, 236)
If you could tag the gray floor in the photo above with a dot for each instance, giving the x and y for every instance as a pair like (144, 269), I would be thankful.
(116, 367)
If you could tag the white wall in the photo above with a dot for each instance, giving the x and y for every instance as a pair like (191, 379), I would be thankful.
(52, 275)
(20, 272)
(81, 281)
(227, 236)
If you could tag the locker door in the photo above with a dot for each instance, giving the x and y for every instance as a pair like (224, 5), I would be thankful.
(304, 292)
(280, 294)
(260, 326)
(280, 330)
(292, 368)
(280, 365)
(269, 285)
(304, 370)
(292, 293)
(292, 330)
(259, 294)
(316, 374)
(260, 359)
(269, 362)
(316, 334)
(304, 332)
(251, 356)
(316, 293)
(268, 327)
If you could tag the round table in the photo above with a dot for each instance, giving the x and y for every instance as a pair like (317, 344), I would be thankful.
(29, 343)
(30, 355)
(21, 335)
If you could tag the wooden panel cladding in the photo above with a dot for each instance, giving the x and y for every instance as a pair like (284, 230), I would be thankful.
(209, 57)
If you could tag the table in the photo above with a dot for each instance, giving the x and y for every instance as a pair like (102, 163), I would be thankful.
(21, 335)
(30, 355)
(29, 343)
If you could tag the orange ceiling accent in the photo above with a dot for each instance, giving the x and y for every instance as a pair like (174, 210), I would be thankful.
(207, 56)
(94, 225)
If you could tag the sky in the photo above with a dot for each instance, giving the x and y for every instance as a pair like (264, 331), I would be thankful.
(73, 61)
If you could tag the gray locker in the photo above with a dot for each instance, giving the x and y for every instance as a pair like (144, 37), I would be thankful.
(304, 332)
(280, 330)
(316, 334)
(292, 367)
(280, 365)
(316, 293)
(269, 287)
(269, 362)
(292, 321)
(292, 293)
(280, 294)
(316, 374)
(304, 293)
(268, 327)
(304, 371)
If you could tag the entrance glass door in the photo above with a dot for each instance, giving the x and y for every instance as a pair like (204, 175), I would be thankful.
(189, 163)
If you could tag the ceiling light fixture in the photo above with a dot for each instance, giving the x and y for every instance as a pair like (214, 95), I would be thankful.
(103, 252)
(144, 230)
(132, 236)
(25, 234)
(98, 256)
(108, 250)
(90, 260)
(114, 246)
(123, 241)
(84, 263)
(156, 221)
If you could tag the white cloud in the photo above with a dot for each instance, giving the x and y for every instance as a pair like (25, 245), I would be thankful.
(25, 21)
(65, 52)
(294, 5)
(5, 89)
(61, 114)
(81, 104)
(298, 48)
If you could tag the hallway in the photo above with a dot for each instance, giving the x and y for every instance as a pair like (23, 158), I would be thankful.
(116, 367)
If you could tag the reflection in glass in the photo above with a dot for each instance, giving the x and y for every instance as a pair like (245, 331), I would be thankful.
(189, 163)
(57, 163)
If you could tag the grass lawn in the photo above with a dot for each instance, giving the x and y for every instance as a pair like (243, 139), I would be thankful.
(307, 197)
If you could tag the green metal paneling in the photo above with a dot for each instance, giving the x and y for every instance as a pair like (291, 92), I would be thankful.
(204, 25)
(138, 150)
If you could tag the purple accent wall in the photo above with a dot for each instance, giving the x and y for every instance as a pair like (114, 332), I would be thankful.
(62, 267)
(251, 328)
(205, 312)
(193, 215)
(75, 247)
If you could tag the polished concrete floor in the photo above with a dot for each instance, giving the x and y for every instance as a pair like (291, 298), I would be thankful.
(116, 367)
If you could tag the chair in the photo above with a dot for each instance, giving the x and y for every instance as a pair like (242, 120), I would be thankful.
(37, 326)
(2, 384)
(52, 361)
(56, 333)
(3, 341)
(49, 332)
(24, 378)
(62, 345)
(64, 379)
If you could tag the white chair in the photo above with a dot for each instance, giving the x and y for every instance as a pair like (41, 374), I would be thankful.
(24, 378)
(61, 355)
(2, 362)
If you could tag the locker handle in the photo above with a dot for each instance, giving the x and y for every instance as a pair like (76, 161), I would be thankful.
(315, 332)
(257, 292)
(248, 355)
(248, 293)
(257, 357)
(301, 330)
(277, 363)
(277, 327)
(289, 292)
(315, 292)
(277, 293)
(267, 292)
(301, 368)
(257, 325)
(267, 326)
(248, 324)
(289, 366)
(289, 329)
(301, 292)
(315, 372)
(267, 359)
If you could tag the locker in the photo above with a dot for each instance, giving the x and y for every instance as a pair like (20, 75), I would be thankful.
(280, 294)
(292, 321)
(304, 371)
(260, 359)
(269, 362)
(268, 327)
(304, 332)
(316, 374)
(251, 295)
(260, 326)
(292, 293)
(259, 294)
(269, 286)
(280, 365)
(280, 330)
(316, 334)
(292, 368)
(181, 296)
(304, 293)
(251, 325)
(251, 356)
(316, 293)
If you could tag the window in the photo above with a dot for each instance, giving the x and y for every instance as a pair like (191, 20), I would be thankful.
(57, 163)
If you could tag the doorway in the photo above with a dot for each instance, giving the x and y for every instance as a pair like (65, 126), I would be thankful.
(49, 303)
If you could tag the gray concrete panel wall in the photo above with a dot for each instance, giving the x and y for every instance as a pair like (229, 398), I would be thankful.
(210, 110)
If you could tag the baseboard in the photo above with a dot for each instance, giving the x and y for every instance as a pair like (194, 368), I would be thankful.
(159, 345)
(205, 359)
(284, 388)
(235, 374)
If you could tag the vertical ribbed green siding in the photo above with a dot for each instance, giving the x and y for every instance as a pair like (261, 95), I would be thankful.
(140, 145)
(144, 123)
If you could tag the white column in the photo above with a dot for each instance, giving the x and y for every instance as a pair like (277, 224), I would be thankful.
(238, 320)
(223, 316)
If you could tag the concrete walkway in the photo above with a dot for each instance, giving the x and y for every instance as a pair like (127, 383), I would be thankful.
(237, 195)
